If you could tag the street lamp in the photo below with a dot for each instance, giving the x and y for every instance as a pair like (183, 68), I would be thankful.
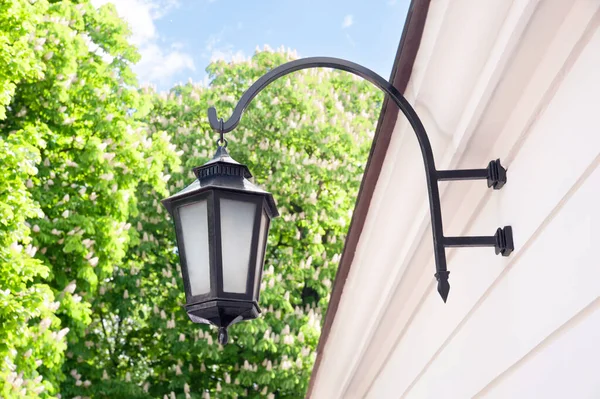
(221, 223)
(222, 219)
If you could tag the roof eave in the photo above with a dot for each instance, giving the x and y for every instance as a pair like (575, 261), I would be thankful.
(400, 76)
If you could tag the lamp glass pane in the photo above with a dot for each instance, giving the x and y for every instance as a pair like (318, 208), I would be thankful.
(194, 228)
(237, 223)
(262, 238)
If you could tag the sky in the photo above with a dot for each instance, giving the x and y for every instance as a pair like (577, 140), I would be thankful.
(177, 39)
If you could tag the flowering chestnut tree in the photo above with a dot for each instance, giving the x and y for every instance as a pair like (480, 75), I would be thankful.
(90, 289)
(305, 139)
(73, 151)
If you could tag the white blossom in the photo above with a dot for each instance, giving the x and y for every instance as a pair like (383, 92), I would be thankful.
(94, 261)
(109, 156)
(288, 339)
(39, 389)
(70, 288)
(17, 382)
(285, 365)
(15, 246)
(45, 323)
(31, 250)
(61, 334)
(125, 294)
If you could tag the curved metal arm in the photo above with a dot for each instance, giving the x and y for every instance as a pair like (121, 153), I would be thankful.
(410, 114)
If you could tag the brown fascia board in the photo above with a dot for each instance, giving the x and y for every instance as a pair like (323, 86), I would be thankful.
(401, 71)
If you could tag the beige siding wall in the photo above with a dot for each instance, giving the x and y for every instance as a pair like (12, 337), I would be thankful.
(503, 318)
(526, 326)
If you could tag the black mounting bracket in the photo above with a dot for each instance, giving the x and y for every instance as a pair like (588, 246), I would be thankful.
(495, 173)
(502, 241)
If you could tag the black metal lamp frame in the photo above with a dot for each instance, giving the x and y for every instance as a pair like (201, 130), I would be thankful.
(495, 173)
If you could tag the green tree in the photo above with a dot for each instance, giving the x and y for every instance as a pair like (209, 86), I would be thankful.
(306, 139)
(90, 294)
(73, 148)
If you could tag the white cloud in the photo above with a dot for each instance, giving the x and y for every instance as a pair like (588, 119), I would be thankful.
(215, 50)
(348, 21)
(352, 43)
(158, 64)
(227, 55)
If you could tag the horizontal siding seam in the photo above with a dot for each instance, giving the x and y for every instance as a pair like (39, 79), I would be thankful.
(547, 97)
(516, 256)
(578, 318)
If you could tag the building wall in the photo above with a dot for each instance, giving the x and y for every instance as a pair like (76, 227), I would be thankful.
(519, 81)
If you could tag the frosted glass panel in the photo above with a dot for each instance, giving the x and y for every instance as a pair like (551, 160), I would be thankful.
(237, 222)
(262, 236)
(194, 225)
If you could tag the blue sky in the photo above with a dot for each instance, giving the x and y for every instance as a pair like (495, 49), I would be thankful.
(179, 38)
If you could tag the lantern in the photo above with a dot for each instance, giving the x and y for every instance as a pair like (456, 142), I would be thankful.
(221, 222)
